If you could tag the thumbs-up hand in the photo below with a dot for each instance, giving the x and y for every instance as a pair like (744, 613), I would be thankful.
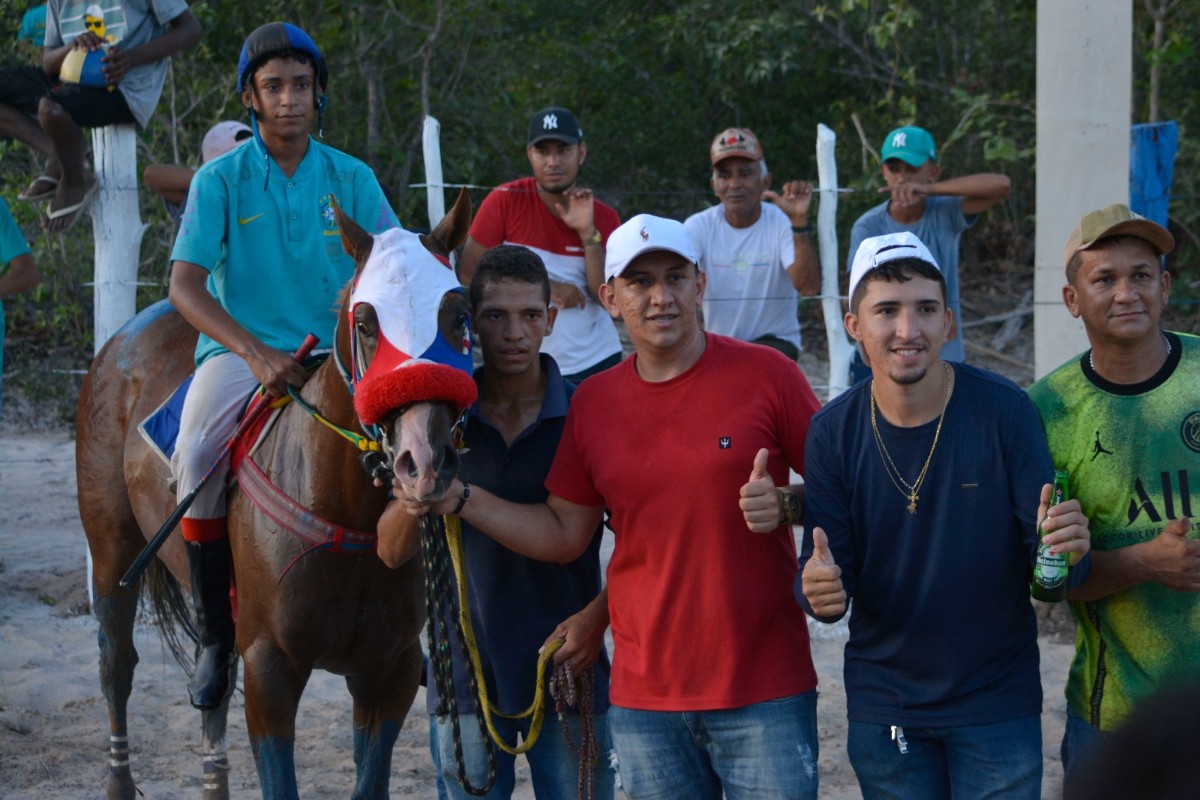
(759, 500)
(1171, 558)
(821, 580)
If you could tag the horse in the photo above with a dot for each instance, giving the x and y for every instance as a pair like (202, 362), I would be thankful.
(299, 606)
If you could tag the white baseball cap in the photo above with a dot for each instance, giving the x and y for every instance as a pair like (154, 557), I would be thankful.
(223, 137)
(646, 233)
(878, 250)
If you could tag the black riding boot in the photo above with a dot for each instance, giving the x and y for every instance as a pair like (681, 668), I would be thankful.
(210, 563)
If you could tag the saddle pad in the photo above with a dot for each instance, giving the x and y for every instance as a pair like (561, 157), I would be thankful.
(161, 428)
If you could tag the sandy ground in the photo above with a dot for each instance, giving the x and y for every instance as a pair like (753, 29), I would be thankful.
(53, 722)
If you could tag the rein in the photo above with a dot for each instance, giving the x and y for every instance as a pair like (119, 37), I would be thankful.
(365, 444)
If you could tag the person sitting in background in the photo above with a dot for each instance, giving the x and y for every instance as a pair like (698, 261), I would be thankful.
(172, 181)
(99, 68)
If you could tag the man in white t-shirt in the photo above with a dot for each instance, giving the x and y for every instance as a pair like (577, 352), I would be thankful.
(757, 255)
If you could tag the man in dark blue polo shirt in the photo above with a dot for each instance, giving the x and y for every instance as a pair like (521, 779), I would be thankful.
(517, 603)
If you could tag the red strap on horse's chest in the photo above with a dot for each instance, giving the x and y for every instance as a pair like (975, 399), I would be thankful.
(297, 520)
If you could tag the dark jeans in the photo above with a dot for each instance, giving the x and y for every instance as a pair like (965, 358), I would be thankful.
(763, 751)
(973, 762)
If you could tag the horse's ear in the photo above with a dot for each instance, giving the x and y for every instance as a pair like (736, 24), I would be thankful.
(355, 241)
(451, 232)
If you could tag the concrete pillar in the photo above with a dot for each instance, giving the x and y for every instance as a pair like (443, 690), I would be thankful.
(1084, 91)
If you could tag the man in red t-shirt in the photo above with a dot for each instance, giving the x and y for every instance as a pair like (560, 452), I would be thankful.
(560, 221)
(713, 688)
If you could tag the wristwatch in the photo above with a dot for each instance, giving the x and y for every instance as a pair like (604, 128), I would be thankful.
(595, 238)
(790, 507)
(462, 501)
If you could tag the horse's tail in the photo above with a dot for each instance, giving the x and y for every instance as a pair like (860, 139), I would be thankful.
(172, 613)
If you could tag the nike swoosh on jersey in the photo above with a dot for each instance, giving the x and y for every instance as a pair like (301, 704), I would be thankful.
(248, 220)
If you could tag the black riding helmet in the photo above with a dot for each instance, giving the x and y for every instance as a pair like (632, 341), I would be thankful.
(280, 40)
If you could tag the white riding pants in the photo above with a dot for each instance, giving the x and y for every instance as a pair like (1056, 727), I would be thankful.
(209, 417)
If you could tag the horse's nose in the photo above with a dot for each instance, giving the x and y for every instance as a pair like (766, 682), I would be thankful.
(426, 460)
(426, 473)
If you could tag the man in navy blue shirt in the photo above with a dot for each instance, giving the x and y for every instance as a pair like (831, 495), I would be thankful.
(517, 603)
(921, 502)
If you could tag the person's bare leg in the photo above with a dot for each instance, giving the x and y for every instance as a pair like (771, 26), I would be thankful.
(16, 124)
(67, 140)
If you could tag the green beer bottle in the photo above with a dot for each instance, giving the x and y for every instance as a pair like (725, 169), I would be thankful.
(1049, 582)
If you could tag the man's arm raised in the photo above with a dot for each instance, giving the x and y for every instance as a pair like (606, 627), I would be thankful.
(979, 192)
(557, 530)
(805, 269)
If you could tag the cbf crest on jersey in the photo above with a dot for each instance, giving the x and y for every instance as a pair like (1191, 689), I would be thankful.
(329, 225)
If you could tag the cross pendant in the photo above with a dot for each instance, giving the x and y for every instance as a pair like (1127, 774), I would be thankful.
(912, 503)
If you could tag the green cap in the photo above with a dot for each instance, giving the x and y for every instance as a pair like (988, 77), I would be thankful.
(912, 145)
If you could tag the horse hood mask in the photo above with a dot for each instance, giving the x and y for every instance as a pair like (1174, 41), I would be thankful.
(413, 362)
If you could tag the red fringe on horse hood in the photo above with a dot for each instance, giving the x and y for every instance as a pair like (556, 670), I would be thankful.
(405, 284)
(416, 379)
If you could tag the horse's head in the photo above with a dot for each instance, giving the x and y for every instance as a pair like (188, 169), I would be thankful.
(410, 346)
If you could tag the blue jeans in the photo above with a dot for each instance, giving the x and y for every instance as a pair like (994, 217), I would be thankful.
(1079, 744)
(553, 766)
(765, 751)
(1000, 760)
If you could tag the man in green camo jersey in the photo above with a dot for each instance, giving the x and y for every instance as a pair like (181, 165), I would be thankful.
(1124, 419)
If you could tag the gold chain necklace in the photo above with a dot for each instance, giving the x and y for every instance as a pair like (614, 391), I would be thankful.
(909, 490)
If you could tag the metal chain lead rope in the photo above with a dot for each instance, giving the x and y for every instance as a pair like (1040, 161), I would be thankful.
(441, 605)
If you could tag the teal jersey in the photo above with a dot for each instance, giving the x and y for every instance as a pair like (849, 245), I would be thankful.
(12, 244)
(274, 253)
(1133, 452)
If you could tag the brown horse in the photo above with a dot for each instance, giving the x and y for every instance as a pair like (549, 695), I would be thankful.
(299, 608)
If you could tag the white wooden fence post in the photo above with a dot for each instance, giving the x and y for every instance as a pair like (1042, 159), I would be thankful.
(840, 348)
(435, 195)
(117, 234)
(116, 228)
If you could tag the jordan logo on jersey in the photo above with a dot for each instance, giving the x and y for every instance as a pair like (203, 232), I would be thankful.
(725, 442)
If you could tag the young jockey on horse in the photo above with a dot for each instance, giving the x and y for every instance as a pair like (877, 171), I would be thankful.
(257, 265)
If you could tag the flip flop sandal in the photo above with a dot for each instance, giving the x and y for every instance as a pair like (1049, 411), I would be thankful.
(30, 196)
(76, 210)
